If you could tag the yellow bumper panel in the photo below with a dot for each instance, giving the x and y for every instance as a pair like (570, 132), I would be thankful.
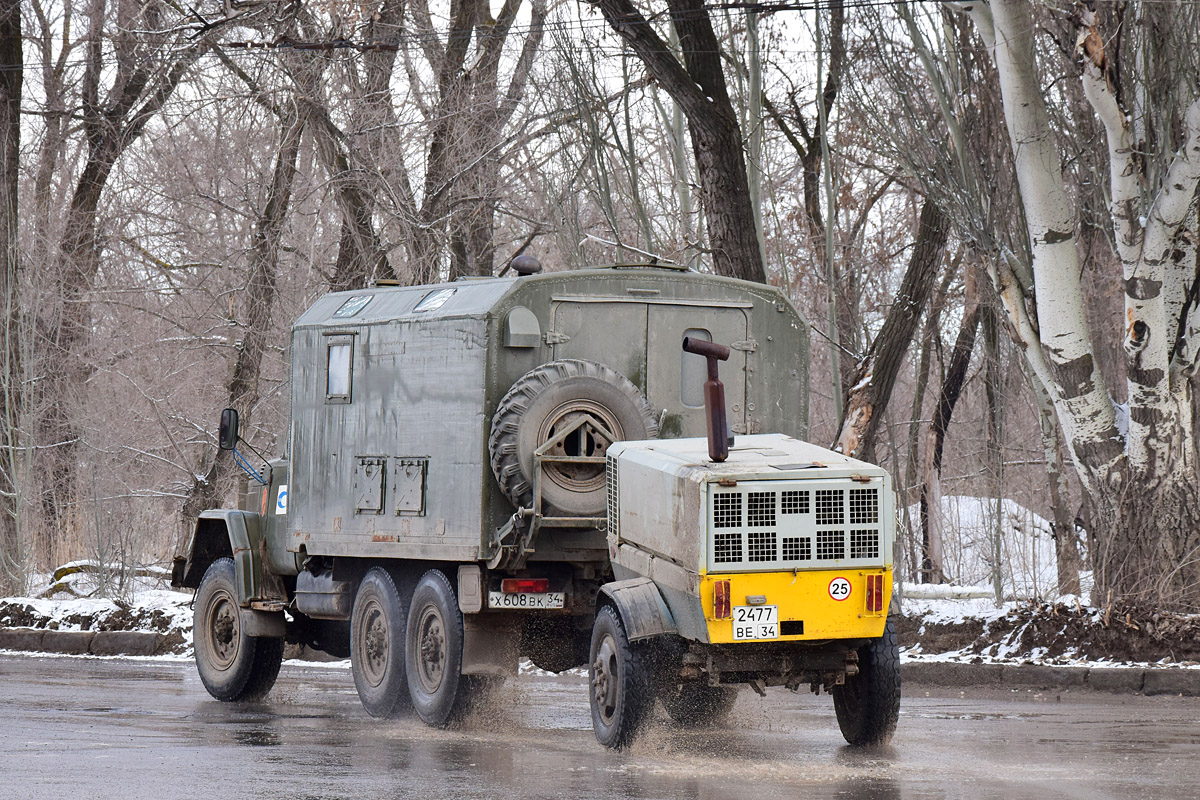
(824, 604)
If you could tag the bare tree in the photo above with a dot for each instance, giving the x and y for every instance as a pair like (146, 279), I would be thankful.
(698, 86)
(875, 376)
(141, 81)
(11, 69)
(1133, 460)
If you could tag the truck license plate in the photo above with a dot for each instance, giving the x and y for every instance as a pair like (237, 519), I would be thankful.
(525, 600)
(756, 622)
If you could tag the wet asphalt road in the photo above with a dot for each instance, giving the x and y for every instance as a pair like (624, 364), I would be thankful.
(135, 729)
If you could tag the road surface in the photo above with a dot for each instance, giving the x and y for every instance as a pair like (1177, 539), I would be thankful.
(134, 729)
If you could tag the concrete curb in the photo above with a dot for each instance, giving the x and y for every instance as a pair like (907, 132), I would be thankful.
(95, 643)
(1133, 680)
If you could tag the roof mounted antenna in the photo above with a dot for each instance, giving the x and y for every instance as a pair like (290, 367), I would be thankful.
(655, 258)
(714, 396)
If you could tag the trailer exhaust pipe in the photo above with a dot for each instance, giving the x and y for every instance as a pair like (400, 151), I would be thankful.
(714, 396)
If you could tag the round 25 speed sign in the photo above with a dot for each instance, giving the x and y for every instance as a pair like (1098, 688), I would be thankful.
(839, 589)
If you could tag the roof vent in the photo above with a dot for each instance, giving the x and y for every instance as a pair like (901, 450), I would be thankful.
(526, 265)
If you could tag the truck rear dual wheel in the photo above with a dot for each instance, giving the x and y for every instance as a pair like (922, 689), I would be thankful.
(434, 650)
(619, 687)
(377, 624)
(232, 665)
(546, 401)
(868, 704)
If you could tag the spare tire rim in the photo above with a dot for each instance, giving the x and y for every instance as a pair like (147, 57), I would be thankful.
(589, 439)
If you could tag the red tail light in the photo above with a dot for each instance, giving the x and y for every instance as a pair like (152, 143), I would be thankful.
(875, 593)
(523, 585)
(721, 609)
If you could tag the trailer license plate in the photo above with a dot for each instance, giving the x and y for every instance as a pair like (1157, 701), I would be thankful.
(525, 600)
(756, 622)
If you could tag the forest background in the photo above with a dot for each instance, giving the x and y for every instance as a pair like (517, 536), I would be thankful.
(987, 211)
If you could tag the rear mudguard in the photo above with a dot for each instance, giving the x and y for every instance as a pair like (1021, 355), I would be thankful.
(643, 611)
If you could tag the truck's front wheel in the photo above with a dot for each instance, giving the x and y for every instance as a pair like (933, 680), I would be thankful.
(232, 665)
(377, 644)
(618, 683)
(434, 650)
(868, 704)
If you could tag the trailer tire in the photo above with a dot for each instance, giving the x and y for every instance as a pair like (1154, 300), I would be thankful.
(232, 665)
(699, 704)
(619, 688)
(545, 399)
(434, 651)
(377, 635)
(868, 704)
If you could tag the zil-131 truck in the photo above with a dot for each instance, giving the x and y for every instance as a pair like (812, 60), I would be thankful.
(524, 466)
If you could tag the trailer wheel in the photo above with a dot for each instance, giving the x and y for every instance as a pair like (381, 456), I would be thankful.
(619, 688)
(434, 651)
(868, 704)
(232, 665)
(377, 628)
(546, 401)
(698, 703)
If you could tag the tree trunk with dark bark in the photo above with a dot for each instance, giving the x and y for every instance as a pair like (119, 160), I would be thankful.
(140, 88)
(242, 386)
(952, 386)
(875, 377)
(11, 63)
(698, 86)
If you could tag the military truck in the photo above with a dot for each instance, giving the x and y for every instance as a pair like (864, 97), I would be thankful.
(500, 467)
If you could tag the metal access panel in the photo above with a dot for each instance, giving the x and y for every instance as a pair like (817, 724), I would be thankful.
(675, 379)
(408, 486)
(369, 473)
(393, 469)
(606, 330)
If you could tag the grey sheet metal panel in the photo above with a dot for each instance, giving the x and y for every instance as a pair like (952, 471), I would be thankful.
(392, 472)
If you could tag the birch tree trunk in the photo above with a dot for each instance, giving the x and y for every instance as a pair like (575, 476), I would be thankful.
(1137, 463)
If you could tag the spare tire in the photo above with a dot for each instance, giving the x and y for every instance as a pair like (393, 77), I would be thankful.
(540, 405)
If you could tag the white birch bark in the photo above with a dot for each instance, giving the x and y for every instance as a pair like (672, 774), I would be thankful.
(1086, 411)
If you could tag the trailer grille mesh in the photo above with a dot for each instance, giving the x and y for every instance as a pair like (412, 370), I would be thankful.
(829, 506)
(864, 506)
(727, 510)
(830, 523)
(793, 502)
(761, 546)
(614, 498)
(864, 544)
(727, 548)
(796, 549)
(760, 509)
(831, 545)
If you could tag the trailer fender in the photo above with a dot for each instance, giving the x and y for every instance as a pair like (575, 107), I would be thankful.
(643, 610)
